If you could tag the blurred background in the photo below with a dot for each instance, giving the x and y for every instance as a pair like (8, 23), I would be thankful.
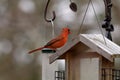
(22, 28)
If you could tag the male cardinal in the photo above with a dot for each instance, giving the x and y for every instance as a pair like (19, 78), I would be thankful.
(56, 42)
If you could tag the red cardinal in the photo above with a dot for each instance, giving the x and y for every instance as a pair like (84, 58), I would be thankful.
(56, 42)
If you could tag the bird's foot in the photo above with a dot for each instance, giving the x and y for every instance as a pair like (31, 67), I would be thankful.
(47, 50)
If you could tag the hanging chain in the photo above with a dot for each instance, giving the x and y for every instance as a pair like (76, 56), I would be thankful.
(100, 28)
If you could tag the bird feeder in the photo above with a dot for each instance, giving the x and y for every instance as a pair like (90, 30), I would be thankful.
(85, 57)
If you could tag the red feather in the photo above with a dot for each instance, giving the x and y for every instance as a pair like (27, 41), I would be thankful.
(56, 42)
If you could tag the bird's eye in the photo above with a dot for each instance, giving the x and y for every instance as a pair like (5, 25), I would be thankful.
(69, 30)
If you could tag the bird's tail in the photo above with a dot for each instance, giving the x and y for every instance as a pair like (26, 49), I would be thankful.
(35, 50)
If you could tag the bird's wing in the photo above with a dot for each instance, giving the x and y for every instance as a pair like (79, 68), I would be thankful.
(54, 41)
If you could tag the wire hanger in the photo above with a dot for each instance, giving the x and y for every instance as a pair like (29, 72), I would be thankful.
(100, 28)
(99, 25)
(45, 14)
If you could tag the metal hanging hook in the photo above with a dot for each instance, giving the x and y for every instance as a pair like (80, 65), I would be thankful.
(45, 13)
